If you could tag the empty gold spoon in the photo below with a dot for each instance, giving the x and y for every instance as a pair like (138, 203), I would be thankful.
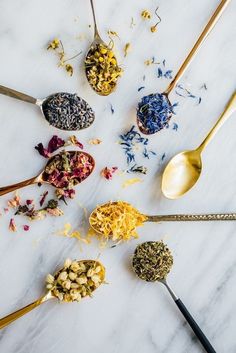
(75, 165)
(118, 220)
(75, 281)
(101, 67)
(184, 170)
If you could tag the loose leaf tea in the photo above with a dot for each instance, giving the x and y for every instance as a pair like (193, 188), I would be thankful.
(76, 280)
(67, 111)
(102, 69)
(116, 221)
(154, 113)
(152, 261)
(67, 169)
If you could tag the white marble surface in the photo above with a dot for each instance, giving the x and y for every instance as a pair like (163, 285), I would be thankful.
(127, 315)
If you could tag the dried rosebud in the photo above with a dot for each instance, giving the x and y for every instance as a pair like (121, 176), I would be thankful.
(26, 228)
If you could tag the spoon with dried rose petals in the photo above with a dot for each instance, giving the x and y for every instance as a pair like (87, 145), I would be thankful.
(155, 110)
(152, 261)
(63, 171)
(118, 220)
(75, 281)
(101, 67)
(65, 111)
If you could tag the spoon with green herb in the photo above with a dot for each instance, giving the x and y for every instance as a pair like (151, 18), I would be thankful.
(152, 261)
(63, 171)
(101, 67)
(75, 281)
(65, 111)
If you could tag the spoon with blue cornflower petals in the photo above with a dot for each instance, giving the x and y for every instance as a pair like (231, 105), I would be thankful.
(155, 110)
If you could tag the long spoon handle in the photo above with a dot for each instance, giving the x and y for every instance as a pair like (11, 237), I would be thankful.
(192, 323)
(228, 111)
(96, 34)
(210, 25)
(17, 314)
(6, 189)
(18, 95)
(192, 217)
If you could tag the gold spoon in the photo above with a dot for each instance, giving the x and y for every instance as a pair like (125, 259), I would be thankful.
(49, 295)
(152, 261)
(159, 218)
(65, 111)
(184, 170)
(42, 177)
(96, 42)
(155, 110)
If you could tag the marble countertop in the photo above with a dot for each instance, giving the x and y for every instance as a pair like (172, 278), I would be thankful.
(127, 315)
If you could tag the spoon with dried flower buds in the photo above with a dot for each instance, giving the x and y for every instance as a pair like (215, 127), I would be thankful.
(155, 110)
(101, 67)
(152, 261)
(118, 220)
(65, 111)
(63, 171)
(183, 170)
(75, 281)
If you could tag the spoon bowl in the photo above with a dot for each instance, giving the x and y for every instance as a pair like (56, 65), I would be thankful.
(65, 111)
(181, 174)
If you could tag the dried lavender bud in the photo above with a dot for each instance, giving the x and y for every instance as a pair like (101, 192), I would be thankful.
(152, 261)
(154, 112)
(68, 111)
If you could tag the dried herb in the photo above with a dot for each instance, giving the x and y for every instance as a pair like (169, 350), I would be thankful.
(154, 113)
(102, 69)
(163, 72)
(140, 88)
(137, 169)
(175, 127)
(132, 23)
(154, 27)
(152, 261)
(151, 61)
(107, 173)
(67, 169)
(127, 49)
(129, 142)
(112, 109)
(185, 93)
(58, 47)
(68, 111)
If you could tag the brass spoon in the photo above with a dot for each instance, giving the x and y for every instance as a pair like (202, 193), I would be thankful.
(41, 178)
(5, 321)
(96, 41)
(79, 119)
(142, 271)
(172, 217)
(147, 106)
(184, 170)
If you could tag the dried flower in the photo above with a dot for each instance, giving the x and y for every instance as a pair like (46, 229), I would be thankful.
(41, 202)
(74, 141)
(95, 141)
(112, 33)
(127, 49)
(26, 228)
(15, 202)
(102, 69)
(12, 225)
(54, 44)
(131, 182)
(146, 15)
(69, 69)
(107, 173)
(154, 28)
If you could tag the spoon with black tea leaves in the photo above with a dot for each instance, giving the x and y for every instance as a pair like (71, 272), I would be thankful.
(65, 111)
(118, 220)
(155, 110)
(184, 169)
(101, 67)
(63, 170)
(64, 286)
(152, 261)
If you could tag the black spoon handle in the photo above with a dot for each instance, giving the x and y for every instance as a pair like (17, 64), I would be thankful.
(196, 329)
